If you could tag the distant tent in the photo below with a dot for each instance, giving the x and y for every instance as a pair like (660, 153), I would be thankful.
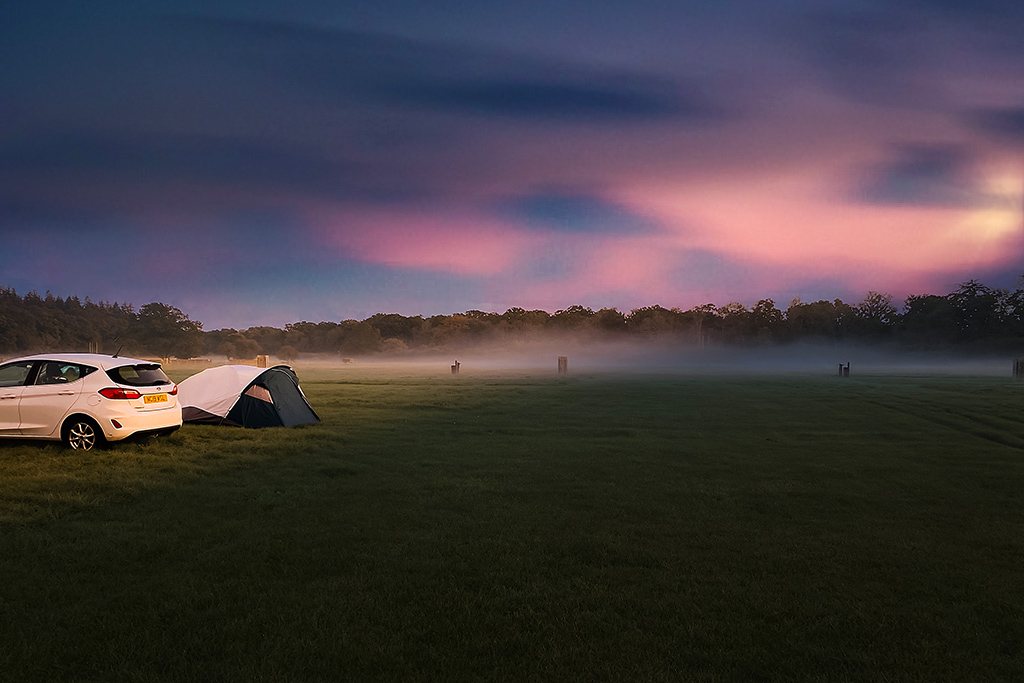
(245, 396)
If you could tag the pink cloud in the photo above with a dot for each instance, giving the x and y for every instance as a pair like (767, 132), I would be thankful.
(786, 222)
(451, 242)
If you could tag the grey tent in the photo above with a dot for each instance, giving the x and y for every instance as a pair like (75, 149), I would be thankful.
(245, 396)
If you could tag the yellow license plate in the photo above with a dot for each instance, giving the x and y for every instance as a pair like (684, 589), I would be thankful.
(155, 398)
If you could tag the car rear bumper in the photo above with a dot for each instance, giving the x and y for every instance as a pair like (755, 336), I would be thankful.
(140, 423)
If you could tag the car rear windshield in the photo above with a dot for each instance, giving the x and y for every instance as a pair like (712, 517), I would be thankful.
(139, 375)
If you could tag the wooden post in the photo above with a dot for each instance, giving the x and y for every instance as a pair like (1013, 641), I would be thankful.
(563, 365)
(262, 361)
(1018, 368)
(844, 370)
(455, 368)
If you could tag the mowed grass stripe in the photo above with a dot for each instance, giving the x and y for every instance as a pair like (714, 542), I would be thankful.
(500, 529)
(997, 418)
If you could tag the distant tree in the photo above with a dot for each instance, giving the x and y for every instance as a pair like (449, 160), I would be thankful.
(393, 325)
(977, 310)
(238, 346)
(702, 318)
(166, 331)
(609, 320)
(287, 353)
(322, 337)
(820, 320)
(521, 322)
(876, 315)
(17, 330)
(270, 339)
(1011, 311)
(213, 340)
(928, 320)
(359, 338)
(480, 325)
(449, 330)
(654, 320)
(573, 318)
(391, 345)
(734, 322)
(481, 315)
(766, 320)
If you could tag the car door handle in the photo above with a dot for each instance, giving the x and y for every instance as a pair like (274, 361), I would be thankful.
(8, 396)
(65, 393)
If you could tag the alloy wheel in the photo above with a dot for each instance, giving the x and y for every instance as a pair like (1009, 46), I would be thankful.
(81, 436)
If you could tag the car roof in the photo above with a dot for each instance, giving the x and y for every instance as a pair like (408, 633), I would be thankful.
(98, 360)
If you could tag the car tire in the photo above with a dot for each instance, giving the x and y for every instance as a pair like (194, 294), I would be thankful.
(81, 434)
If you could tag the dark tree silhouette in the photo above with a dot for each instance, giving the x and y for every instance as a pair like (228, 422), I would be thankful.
(973, 316)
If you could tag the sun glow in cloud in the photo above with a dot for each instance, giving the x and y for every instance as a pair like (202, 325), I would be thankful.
(1003, 218)
(786, 222)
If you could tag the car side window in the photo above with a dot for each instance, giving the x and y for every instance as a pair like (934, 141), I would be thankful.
(49, 373)
(57, 372)
(15, 374)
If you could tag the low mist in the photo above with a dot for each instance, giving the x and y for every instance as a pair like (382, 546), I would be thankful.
(667, 358)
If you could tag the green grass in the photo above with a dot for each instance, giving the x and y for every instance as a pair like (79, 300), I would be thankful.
(527, 528)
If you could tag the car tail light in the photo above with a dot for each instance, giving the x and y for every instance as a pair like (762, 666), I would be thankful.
(174, 391)
(118, 392)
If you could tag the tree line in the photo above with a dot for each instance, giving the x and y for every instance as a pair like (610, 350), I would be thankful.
(48, 323)
(973, 316)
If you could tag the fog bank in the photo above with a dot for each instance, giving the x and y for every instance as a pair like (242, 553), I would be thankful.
(654, 358)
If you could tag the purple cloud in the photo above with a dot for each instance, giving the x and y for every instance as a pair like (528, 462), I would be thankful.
(923, 175)
(574, 212)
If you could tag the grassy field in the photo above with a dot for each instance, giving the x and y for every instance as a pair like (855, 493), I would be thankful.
(517, 527)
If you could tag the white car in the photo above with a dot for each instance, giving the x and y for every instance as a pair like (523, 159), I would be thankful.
(85, 399)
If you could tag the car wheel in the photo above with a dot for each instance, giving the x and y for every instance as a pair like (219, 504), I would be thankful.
(81, 434)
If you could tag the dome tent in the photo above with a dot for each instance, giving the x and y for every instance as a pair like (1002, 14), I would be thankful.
(245, 396)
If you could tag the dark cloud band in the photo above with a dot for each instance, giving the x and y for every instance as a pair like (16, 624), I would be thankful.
(924, 175)
(573, 212)
(348, 66)
(1005, 123)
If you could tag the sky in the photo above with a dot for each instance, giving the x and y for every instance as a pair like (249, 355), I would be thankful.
(263, 162)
